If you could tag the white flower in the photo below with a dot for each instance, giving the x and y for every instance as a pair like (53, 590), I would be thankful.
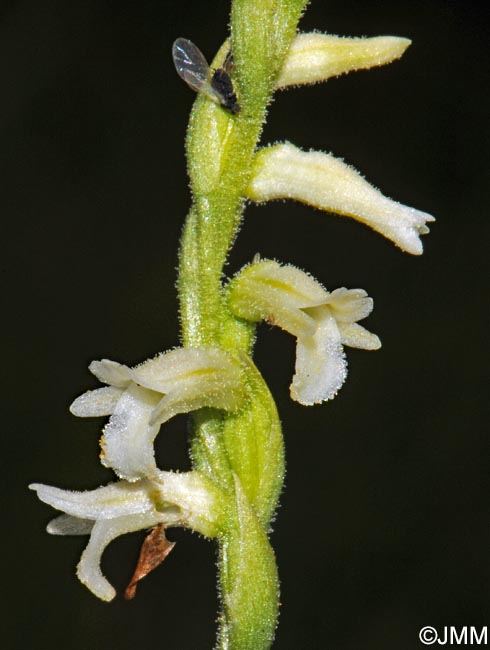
(316, 57)
(118, 508)
(321, 321)
(140, 399)
(284, 171)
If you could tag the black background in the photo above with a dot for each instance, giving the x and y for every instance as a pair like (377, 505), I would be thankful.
(384, 524)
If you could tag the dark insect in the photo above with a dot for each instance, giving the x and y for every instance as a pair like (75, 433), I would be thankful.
(193, 68)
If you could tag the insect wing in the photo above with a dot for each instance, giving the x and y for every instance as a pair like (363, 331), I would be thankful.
(192, 67)
(228, 62)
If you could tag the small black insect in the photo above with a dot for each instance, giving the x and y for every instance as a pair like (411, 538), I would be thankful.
(193, 68)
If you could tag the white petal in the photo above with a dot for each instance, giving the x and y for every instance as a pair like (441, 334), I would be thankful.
(317, 57)
(192, 378)
(95, 403)
(356, 336)
(321, 368)
(184, 367)
(127, 443)
(301, 289)
(319, 179)
(350, 305)
(111, 372)
(221, 391)
(68, 525)
(88, 570)
(296, 287)
(268, 291)
(108, 502)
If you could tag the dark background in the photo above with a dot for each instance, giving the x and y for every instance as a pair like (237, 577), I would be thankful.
(384, 523)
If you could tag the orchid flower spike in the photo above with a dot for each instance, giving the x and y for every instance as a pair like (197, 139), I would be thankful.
(140, 399)
(321, 321)
(285, 172)
(172, 499)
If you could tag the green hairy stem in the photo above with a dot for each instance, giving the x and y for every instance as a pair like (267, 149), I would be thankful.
(242, 452)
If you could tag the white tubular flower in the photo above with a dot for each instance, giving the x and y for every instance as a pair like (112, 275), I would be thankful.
(188, 378)
(285, 172)
(316, 57)
(321, 321)
(107, 512)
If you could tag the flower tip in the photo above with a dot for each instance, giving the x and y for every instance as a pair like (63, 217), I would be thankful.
(67, 525)
(399, 44)
(74, 407)
(376, 344)
(92, 578)
(96, 403)
(311, 393)
(411, 226)
(52, 528)
(111, 372)
(94, 367)
(44, 492)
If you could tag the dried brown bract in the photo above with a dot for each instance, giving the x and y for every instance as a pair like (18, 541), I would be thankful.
(154, 550)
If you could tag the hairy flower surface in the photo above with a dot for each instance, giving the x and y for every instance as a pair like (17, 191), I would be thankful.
(119, 508)
(285, 172)
(140, 399)
(315, 57)
(321, 321)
